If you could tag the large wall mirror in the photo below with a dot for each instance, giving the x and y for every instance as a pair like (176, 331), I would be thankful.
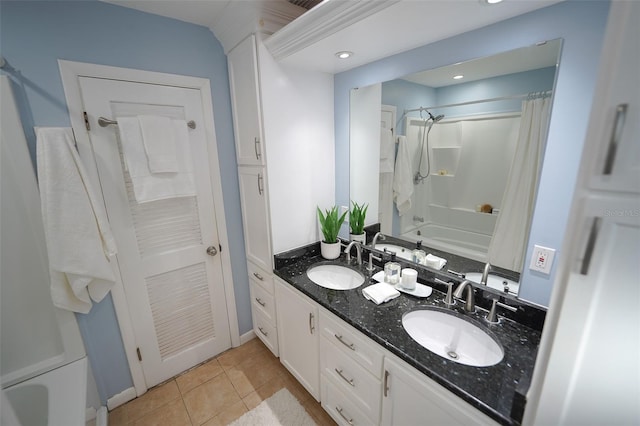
(452, 156)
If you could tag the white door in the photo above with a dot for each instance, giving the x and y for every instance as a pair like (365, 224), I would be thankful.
(174, 289)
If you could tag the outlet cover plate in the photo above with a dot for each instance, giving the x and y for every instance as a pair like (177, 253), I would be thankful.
(542, 259)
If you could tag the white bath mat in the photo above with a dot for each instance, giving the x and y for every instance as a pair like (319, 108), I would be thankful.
(281, 409)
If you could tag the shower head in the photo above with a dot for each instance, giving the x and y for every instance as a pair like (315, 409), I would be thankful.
(436, 118)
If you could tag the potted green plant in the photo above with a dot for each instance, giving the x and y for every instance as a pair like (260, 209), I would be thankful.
(357, 216)
(330, 223)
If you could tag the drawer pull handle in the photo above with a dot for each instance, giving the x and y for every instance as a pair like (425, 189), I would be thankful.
(350, 381)
(258, 276)
(311, 327)
(591, 244)
(348, 420)
(616, 134)
(386, 383)
(256, 143)
(349, 345)
(260, 184)
(260, 302)
(262, 331)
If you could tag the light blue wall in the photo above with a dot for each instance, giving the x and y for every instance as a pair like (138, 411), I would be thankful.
(36, 34)
(539, 80)
(406, 95)
(581, 25)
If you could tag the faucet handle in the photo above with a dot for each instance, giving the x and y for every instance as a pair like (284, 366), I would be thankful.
(370, 268)
(492, 316)
(448, 300)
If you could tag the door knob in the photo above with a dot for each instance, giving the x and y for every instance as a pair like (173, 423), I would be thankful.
(212, 251)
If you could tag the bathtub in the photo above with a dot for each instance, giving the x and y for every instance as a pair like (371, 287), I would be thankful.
(468, 244)
(55, 398)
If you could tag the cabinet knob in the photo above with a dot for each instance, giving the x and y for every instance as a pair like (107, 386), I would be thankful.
(212, 251)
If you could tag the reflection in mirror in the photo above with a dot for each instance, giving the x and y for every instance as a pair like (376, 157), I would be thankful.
(454, 162)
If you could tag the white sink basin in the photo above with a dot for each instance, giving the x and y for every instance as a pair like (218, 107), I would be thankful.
(401, 252)
(494, 281)
(335, 277)
(452, 337)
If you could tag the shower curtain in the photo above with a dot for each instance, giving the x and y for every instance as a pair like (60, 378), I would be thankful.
(507, 247)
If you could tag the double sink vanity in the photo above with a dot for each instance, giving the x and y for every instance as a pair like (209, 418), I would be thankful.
(407, 361)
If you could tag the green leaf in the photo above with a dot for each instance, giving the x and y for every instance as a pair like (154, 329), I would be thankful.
(357, 216)
(330, 223)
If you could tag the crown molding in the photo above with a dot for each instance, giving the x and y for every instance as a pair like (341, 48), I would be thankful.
(323, 20)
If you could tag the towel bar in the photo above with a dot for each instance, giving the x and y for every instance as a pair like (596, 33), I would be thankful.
(104, 122)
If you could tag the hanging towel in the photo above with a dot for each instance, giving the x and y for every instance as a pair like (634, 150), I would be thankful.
(149, 186)
(159, 143)
(77, 232)
(387, 149)
(403, 177)
(380, 293)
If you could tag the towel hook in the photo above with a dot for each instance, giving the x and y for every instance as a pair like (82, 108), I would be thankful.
(104, 122)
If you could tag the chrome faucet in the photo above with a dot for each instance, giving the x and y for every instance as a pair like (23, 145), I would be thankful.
(470, 304)
(358, 250)
(379, 236)
(485, 273)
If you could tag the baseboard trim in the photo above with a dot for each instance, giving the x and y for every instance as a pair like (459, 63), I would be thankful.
(89, 414)
(102, 416)
(249, 335)
(121, 398)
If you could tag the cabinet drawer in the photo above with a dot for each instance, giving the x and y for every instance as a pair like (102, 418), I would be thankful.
(357, 383)
(261, 277)
(267, 332)
(351, 342)
(340, 407)
(263, 302)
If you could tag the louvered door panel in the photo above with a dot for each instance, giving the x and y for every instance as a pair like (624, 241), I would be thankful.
(181, 309)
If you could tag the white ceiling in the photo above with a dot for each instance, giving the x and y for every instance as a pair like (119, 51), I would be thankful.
(399, 27)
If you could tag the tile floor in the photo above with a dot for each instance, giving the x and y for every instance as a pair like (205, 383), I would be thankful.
(217, 392)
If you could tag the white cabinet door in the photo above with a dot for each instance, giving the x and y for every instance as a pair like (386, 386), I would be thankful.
(600, 323)
(410, 398)
(245, 102)
(615, 122)
(298, 336)
(255, 218)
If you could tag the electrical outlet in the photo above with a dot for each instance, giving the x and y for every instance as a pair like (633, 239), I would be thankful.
(542, 259)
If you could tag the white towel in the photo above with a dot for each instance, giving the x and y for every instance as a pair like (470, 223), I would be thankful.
(159, 143)
(387, 151)
(77, 233)
(434, 262)
(149, 186)
(403, 177)
(380, 293)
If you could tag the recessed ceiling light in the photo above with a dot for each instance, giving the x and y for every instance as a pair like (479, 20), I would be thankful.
(344, 54)
(491, 1)
(458, 77)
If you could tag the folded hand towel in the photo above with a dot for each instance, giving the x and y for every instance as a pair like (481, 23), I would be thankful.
(435, 262)
(159, 143)
(403, 177)
(149, 186)
(387, 151)
(378, 276)
(380, 293)
(77, 233)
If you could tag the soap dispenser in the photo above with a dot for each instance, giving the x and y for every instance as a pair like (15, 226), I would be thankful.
(392, 271)
(418, 255)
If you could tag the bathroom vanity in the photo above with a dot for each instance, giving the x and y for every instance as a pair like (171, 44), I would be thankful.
(358, 360)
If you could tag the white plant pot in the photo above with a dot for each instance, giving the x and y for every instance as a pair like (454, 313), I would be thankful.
(330, 251)
(361, 238)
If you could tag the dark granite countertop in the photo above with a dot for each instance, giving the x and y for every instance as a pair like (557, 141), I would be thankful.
(498, 391)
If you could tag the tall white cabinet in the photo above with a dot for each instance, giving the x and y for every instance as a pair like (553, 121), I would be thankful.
(284, 139)
(252, 177)
(592, 366)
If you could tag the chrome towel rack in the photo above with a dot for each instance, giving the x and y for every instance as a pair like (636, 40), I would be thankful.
(104, 122)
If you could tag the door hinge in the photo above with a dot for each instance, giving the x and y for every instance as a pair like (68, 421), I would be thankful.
(220, 247)
(139, 354)
(86, 121)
